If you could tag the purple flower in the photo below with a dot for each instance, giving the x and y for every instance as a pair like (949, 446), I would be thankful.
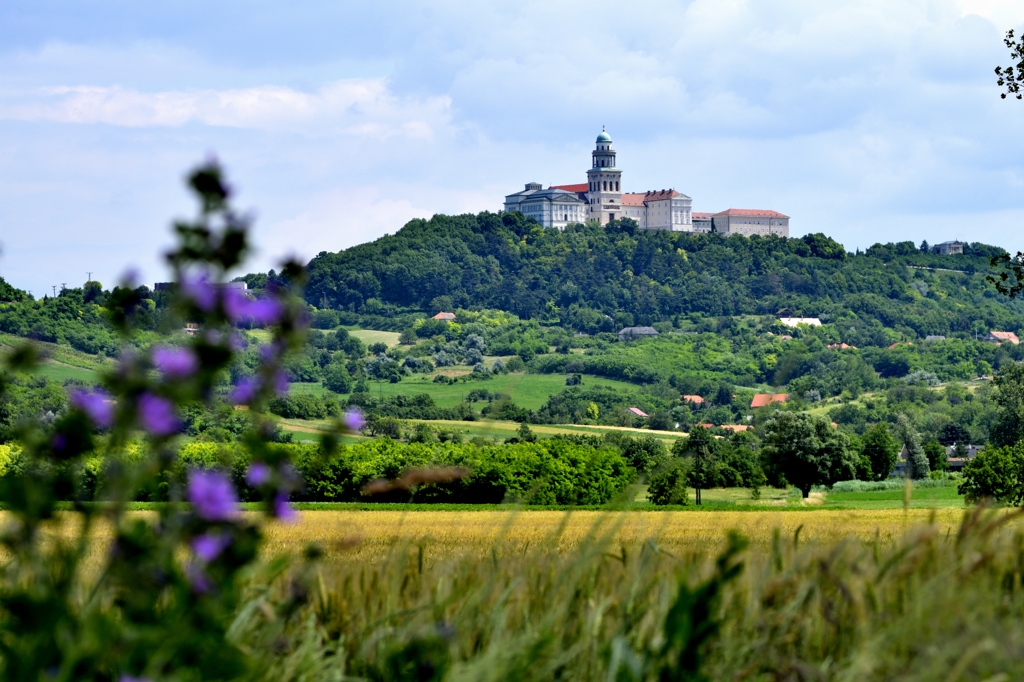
(157, 415)
(236, 304)
(176, 363)
(281, 383)
(212, 495)
(208, 546)
(97, 405)
(265, 311)
(245, 391)
(197, 577)
(258, 474)
(354, 419)
(283, 510)
(198, 289)
(129, 678)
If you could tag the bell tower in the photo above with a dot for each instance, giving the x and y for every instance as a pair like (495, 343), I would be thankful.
(604, 194)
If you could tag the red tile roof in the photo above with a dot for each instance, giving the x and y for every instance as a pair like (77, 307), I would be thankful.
(1005, 336)
(696, 215)
(581, 187)
(763, 399)
(444, 316)
(696, 399)
(840, 346)
(729, 427)
(752, 213)
(638, 412)
(632, 199)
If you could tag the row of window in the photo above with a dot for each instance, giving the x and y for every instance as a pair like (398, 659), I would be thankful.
(604, 186)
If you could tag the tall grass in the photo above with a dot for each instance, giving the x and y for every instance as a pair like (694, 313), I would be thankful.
(937, 604)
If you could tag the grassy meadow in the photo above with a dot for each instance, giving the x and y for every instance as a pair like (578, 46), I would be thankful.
(527, 390)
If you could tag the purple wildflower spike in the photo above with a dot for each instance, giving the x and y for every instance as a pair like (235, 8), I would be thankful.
(198, 289)
(354, 419)
(281, 383)
(265, 311)
(197, 577)
(283, 509)
(258, 474)
(245, 391)
(212, 495)
(157, 415)
(175, 363)
(208, 546)
(96, 404)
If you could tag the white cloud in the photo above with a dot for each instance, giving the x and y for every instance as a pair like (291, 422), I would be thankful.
(357, 106)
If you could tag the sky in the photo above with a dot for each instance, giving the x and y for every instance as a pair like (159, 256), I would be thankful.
(868, 120)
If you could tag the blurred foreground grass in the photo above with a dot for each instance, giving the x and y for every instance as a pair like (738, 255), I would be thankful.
(837, 595)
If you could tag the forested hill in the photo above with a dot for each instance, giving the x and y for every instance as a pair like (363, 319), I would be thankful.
(587, 274)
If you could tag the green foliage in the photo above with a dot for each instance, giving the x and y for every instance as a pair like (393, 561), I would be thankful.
(157, 599)
(336, 377)
(304, 406)
(917, 460)
(997, 473)
(552, 471)
(936, 454)
(881, 450)
(670, 485)
(805, 450)
(599, 279)
(1008, 428)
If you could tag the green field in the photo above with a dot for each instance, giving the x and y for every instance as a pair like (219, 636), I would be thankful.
(369, 336)
(60, 372)
(527, 390)
(923, 498)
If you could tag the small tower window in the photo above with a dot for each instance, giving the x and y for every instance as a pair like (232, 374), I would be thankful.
(616, 185)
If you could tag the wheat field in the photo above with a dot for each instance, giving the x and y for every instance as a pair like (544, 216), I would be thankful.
(367, 535)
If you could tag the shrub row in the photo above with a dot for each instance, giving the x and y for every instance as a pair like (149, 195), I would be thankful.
(548, 472)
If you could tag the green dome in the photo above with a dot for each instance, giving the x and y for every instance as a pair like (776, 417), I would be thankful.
(604, 137)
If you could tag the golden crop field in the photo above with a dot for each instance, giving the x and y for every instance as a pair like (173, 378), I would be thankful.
(369, 535)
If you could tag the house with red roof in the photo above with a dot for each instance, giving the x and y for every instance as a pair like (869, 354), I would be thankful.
(999, 337)
(765, 399)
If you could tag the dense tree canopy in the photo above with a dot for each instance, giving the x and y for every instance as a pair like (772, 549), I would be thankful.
(597, 278)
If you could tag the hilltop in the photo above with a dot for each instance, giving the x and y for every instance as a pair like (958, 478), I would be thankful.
(591, 278)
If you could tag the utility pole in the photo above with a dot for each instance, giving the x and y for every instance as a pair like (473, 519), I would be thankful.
(63, 287)
(54, 287)
(90, 277)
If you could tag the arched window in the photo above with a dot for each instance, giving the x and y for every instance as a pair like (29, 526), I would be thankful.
(616, 185)
(605, 186)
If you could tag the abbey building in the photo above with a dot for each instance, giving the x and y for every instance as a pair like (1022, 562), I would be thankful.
(602, 199)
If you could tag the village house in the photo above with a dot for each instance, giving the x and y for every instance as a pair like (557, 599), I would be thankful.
(1000, 337)
(765, 399)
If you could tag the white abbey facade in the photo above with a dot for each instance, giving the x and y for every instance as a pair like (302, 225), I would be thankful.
(601, 199)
